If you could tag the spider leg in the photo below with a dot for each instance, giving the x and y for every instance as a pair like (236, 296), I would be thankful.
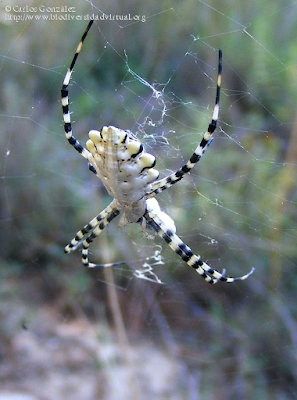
(79, 237)
(168, 181)
(95, 233)
(65, 105)
(179, 247)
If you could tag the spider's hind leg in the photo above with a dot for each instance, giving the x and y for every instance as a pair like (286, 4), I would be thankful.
(65, 104)
(168, 181)
(92, 168)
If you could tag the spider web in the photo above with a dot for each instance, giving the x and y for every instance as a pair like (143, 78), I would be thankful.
(150, 68)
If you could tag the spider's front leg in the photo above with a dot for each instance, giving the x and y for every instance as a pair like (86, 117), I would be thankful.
(92, 230)
(89, 227)
(96, 232)
(157, 222)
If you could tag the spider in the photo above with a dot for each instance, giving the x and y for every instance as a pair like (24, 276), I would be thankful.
(127, 171)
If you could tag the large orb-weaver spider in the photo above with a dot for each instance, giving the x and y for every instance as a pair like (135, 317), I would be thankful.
(127, 171)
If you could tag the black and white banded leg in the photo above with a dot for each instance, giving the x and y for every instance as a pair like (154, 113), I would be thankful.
(89, 227)
(95, 233)
(65, 106)
(168, 181)
(155, 221)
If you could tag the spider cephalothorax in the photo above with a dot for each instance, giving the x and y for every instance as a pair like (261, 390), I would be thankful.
(127, 171)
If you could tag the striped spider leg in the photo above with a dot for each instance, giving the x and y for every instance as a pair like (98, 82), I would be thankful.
(65, 105)
(168, 181)
(158, 220)
(101, 220)
(127, 171)
(95, 233)
(90, 232)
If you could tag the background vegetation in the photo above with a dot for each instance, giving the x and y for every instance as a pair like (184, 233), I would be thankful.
(106, 334)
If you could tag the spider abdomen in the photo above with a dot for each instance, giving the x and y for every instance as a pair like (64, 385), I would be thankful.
(122, 164)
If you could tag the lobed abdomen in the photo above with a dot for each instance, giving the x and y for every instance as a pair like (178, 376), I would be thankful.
(125, 168)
